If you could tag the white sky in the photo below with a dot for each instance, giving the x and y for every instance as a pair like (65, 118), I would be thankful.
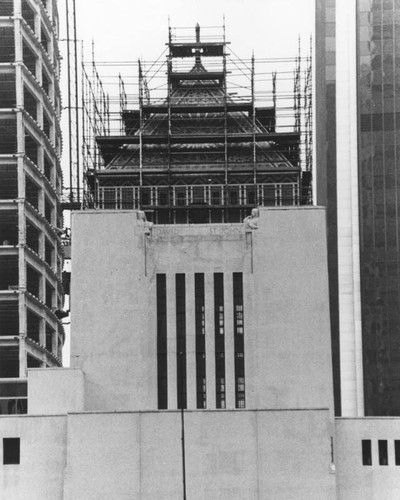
(125, 30)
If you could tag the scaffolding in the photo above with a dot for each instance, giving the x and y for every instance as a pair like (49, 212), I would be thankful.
(72, 196)
(197, 117)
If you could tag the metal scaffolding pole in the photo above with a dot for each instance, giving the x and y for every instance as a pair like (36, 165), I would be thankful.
(69, 102)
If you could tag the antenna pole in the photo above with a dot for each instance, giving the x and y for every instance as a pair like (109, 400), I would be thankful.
(78, 173)
(69, 102)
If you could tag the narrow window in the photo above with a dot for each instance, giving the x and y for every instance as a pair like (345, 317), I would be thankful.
(162, 369)
(11, 454)
(181, 339)
(383, 452)
(238, 324)
(219, 325)
(397, 452)
(200, 340)
(366, 452)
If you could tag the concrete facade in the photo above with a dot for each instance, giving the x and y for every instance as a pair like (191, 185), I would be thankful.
(40, 473)
(114, 305)
(100, 419)
(367, 482)
(94, 431)
(229, 455)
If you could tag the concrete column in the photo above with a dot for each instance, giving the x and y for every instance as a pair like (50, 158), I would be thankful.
(50, 8)
(54, 343)
(42, 332)
(23, 365)
(21, 226)
(22, 314)
(41, 200)
(59, 348)
(171, 342)
(351, 362)
(17, 7)
(250, 345)
(42, 245)
(19, 86)
(36, 8)
(42, 287)
(41, 159)
(39, 66)
(210, 340)
(22, 286)
(374, 452)
(229, 342)
(21, 176)
(190, 343)
(40, 112)
(391, 455)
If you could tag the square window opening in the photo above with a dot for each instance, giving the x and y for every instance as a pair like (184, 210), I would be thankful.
(11, 451)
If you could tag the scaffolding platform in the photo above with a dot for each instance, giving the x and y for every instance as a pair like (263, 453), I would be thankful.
(201, 121)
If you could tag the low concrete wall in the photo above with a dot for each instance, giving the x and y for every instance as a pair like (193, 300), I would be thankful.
(229, 455)
(362, 482)
(55, 391)
(40, 474)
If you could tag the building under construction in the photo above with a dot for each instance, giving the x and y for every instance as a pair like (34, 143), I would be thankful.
(31, 255)
(192, 140)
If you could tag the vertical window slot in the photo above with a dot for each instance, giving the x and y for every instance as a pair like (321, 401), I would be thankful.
(219, 325)
(200, 340)
(180, 291)
(366, 452)
(383, 452)
(162, 367)
(397, 452)
(238, 324)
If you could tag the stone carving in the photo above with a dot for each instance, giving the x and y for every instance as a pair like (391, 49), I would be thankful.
(148, 226)
(251, 221)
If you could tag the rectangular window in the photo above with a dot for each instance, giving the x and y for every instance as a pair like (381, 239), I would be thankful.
(366, 452)
(28, 14)
(7, 41)
(219, 328)
(47, 125)
(29, 58)
(44, 39)
(397, 452)
(383, 452)
(48, 210)
(180, 291)
(200, 319)
(30, 103)
(31, 148)
(6, 8)
(11, 452)
(48, 169)
(50, 334)
(162, 367)
(238, 325)
(46, 82)
(13, 397)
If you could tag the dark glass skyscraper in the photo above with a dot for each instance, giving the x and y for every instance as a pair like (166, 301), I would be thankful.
(369, 72)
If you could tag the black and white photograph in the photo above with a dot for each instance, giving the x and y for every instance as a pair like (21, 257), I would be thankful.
(199, 250)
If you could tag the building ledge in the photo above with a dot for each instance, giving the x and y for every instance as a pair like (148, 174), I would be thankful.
(41, 353)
